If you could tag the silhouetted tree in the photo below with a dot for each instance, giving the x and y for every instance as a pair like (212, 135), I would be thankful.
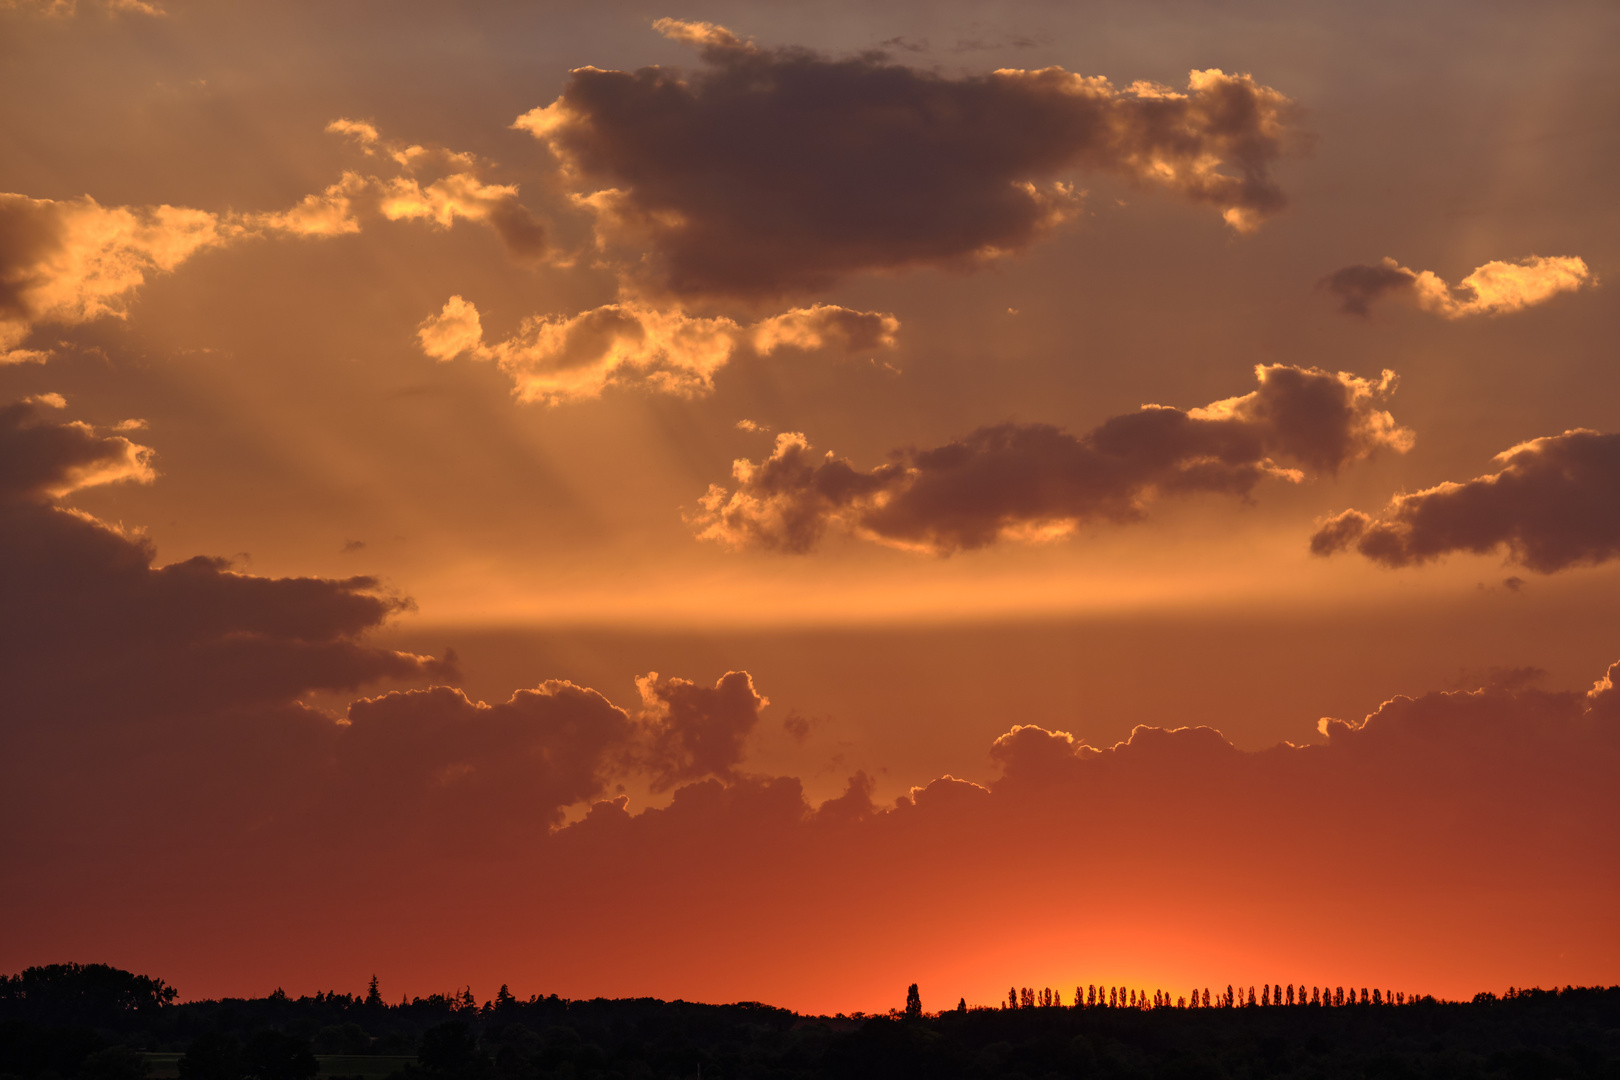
(448, 1048)
(95, 994)
(274, 1055)
(213, 1055)
(913, 1002)
(114, 1063)
(961, 1005)
(1012, 997)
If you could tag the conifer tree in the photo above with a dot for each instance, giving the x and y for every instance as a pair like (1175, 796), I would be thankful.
(373, 995)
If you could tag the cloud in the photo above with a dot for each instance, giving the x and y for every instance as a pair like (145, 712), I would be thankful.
(774, 171)
(67, 9)
(203, 674)
(1551, 505)
(1496, 288)
(1035, 481)
(41, 460)
(66, 262)
(553, 359)
(75, 260)
(697, 731)
(111, 634)
(417, 757)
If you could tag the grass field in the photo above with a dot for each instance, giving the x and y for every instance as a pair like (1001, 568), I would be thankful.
(366, 1066)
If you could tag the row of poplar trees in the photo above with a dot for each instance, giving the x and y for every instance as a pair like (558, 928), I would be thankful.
(1120, 997)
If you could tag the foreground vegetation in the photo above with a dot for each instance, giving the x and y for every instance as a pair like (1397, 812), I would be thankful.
(72, 1022)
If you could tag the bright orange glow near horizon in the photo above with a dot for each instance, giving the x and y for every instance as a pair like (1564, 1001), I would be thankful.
(781, 502)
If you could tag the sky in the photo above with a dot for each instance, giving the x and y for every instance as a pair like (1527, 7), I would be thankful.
(783, 501)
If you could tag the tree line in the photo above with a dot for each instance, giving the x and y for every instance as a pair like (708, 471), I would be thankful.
(92, 1022)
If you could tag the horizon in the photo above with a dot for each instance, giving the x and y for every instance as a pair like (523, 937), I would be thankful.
(776, 502)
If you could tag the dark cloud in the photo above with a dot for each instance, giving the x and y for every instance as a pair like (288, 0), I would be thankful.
(1550, 506)
(418, 757)
(770, 171)
(1358, 286)
(1034, 480)
(94, 629)
(41, 460)
(695, 730)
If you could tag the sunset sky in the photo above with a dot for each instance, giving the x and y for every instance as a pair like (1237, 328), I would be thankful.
(782, 501)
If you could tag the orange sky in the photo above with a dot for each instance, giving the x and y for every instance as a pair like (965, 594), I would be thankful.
(784, 501)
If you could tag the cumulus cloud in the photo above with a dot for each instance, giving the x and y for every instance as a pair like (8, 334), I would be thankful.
(776, 170)
(554, 359)
(1034, 481)
(1550, 505)
(1497, 288)
(697, 731)
(66, 262)
(435, 756)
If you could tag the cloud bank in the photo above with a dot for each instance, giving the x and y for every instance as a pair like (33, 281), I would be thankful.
(771, 171)
(1551, 505)
(1496, 288)
(553, 359)
(1030, 481)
